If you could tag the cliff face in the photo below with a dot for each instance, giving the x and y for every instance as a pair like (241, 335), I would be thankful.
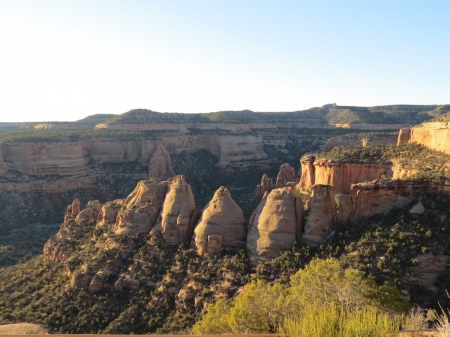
(435, 135)
(322, 213)
(274, 226)
(338, 174)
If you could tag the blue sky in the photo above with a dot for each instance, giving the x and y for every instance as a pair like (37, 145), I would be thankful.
(64, 60)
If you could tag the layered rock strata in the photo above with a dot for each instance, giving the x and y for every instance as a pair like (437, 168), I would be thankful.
(339, 174)
(221, 226)
(275, 224)
(435, 135)
(176, 221)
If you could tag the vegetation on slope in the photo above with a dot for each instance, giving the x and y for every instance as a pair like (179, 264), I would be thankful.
(95, 119)
(323, 284)
(428, 164)
(327, 114)
(176, 285)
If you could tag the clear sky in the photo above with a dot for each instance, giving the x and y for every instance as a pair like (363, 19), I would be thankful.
(64, 60)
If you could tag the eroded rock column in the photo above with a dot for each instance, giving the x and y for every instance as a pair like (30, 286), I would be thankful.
(221, 225)
(275, 224)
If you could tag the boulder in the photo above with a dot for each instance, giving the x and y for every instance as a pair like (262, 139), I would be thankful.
(418, 209)
(175, 220)
(160, 167)
(141, 208)
(275, 224)
(322, 213)
(221, 226)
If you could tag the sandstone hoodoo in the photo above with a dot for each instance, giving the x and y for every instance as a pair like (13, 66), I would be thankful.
(160, 167)
(141, 208)
(176, 221)
(322, 213)
(286, 174)
(265, 186)
(221, 225)
(274, 226)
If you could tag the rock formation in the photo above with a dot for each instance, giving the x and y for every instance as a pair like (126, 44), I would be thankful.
(175, 222)
(265, 186)
(322, 213)
(221, 225)
(72, 210)
(108, 213)
(86, 215)
(95, 205)
(435, 135)
(286, 174)
(160, 167)
(275, 224)
(141, 208)
(341, 175)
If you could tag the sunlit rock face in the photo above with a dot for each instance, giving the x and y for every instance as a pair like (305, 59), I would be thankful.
(222, 225)
(175, 222)
(141, 208)
(275, 224)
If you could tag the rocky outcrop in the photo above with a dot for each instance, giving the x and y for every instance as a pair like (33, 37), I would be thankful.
(95, 205)
(435, 135)
(221, 225)
(286, 174)
(72, 210)
(275, 225)
(265, 186)
(141, 208)
(341, 175)
(308, 176)
(108, 213)
(86, 215)
(176, 221)
(160, 167)
(404, 135)
(322, 213)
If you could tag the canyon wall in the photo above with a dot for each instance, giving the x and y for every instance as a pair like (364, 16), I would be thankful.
(435, 135)
(341, 175)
